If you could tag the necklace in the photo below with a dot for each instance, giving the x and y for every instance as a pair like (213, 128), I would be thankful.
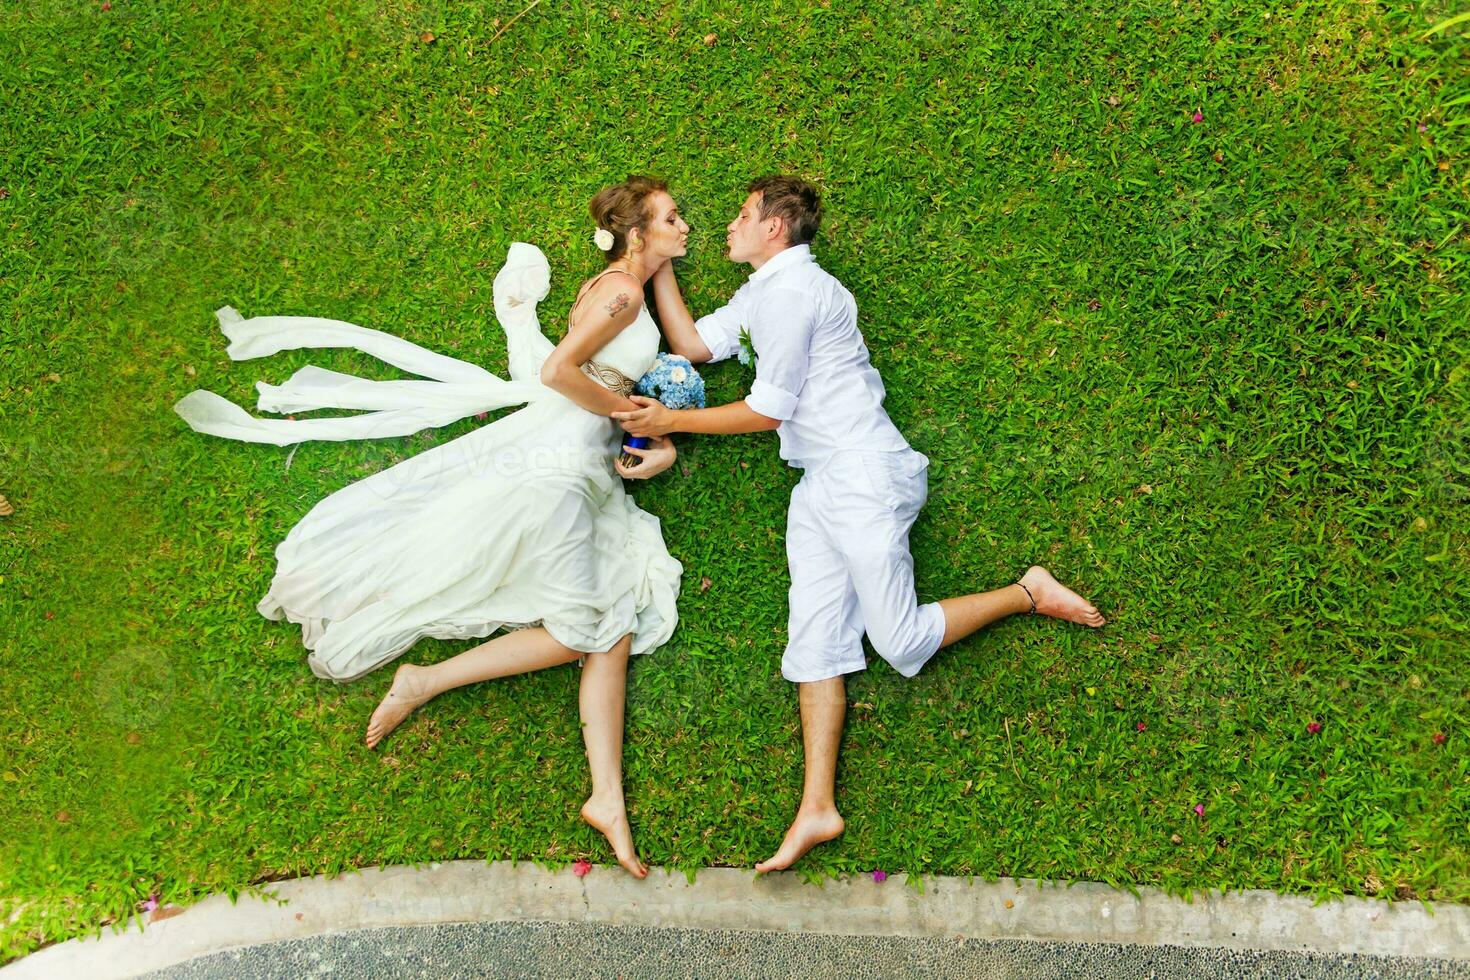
(636, 273)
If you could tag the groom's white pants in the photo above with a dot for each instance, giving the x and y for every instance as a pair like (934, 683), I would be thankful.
(847, 543)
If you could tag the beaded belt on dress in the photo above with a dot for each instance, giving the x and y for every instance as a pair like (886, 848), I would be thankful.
(610, 377)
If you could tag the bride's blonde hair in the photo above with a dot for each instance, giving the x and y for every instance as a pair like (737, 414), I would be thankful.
(623, 207)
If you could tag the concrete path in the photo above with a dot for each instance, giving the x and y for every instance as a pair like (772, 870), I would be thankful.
(562, 949)
(952, 921)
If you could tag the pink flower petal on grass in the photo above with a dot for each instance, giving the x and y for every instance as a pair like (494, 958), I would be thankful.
(1199, 809)
(1313, 727)
(880, 876)
(581, 868)
(152, 903)
(1142, 726)
(1199, 116)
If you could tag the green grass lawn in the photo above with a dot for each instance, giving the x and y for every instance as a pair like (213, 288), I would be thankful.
(1216, 373)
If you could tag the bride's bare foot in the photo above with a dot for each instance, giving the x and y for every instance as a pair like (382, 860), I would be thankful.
(407, 693)
(611, 817)
(1057, 601)
(807, 831)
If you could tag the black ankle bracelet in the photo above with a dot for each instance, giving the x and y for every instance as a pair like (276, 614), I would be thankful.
(1029, 596)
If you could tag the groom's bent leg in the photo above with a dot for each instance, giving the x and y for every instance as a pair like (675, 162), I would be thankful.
(902, 632)
(965, 614)
(875, 498)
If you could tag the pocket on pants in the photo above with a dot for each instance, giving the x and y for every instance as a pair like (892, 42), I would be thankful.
(897, 481)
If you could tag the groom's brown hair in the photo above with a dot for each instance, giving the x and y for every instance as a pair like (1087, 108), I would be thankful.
(794, 201)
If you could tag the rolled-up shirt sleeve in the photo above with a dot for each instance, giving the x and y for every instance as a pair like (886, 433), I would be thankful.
(720, 330)
(782, 336)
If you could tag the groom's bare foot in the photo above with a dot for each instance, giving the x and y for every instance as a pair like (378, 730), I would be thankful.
(807, 831)
(1057, 601)
(611, 817)
(407, 693)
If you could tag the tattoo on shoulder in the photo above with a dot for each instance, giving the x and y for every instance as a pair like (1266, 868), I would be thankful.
(618, 305)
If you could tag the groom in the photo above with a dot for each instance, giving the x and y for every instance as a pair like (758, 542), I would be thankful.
(847, 532)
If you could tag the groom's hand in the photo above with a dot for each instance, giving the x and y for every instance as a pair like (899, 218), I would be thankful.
(651, 419)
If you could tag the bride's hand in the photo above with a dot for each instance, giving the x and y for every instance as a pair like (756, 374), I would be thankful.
(659, 456)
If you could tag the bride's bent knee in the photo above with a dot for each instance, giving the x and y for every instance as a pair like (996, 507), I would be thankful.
(622, 649)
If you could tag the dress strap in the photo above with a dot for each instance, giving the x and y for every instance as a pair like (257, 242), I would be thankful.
(588, 288)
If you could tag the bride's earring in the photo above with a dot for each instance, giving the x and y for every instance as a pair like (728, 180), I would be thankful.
(635, 252)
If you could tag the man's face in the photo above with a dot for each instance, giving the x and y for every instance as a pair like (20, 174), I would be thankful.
(748, 236)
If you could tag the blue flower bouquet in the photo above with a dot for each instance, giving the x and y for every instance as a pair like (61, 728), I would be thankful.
(672, 381)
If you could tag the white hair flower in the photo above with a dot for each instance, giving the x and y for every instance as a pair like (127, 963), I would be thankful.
(677, 375)
(603, 239)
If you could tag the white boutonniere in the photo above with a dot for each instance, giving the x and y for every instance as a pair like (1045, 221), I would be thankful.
(746, 354)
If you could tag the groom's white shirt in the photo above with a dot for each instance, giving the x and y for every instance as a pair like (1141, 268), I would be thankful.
(812, 369)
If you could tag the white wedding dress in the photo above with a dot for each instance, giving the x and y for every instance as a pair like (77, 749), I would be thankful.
(521, 522)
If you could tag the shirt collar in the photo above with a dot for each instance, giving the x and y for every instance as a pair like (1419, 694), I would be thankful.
(794, 255)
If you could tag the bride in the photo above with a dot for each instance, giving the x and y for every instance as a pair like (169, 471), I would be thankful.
(522, 524)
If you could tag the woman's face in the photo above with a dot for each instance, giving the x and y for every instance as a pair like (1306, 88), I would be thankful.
(666, 236)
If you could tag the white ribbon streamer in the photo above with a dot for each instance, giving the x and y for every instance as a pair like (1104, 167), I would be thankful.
(457, 390)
